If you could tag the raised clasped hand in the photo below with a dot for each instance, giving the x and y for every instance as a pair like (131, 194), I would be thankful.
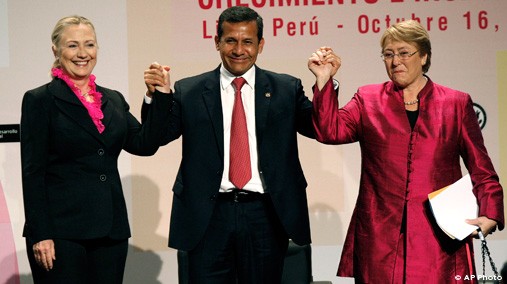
(156, 77)
(324, 64)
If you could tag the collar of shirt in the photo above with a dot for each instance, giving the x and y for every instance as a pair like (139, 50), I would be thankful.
(226, 77)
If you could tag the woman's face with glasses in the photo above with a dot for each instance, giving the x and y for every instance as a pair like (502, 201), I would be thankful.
(403, 62)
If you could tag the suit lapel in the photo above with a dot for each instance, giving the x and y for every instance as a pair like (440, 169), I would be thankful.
(262, 102)
(213, 103)
(68, 103)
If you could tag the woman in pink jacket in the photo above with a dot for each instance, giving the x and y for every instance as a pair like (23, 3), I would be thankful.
(412, 134)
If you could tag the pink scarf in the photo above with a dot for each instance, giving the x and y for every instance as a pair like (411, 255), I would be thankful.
(93, 107)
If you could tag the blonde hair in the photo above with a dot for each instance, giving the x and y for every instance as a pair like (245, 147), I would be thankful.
(410, 31)
(60, 27)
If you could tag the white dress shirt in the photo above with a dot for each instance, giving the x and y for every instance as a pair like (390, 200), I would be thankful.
(248, 97)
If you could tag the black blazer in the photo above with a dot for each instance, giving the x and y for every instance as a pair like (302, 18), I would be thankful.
(281, 110)
(71, 185)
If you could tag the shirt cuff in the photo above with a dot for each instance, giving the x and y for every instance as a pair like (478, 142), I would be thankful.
(147, 99)
(336, 84)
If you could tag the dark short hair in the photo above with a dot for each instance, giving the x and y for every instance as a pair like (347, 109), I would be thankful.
(238, 14)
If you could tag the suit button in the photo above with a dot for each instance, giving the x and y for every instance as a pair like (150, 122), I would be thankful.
(101, 152)
(103, 177)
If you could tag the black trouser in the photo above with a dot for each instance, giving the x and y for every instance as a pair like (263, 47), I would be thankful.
(82, 261)
(244, 243)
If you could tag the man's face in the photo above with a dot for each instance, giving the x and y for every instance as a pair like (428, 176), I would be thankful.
(239, 46)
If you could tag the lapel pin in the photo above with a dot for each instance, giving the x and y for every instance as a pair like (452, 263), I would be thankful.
(267, 95)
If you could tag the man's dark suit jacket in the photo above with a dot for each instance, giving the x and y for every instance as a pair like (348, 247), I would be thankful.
(281, 110)
(71, 185)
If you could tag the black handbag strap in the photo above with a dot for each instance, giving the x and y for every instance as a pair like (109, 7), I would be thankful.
(485, 251)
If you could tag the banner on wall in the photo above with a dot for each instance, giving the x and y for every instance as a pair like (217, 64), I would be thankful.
(312, 18)
(9, 133)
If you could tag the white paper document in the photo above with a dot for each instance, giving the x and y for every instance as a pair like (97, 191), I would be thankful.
(452, 205)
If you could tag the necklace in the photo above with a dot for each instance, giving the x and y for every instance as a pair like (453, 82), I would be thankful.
(411, 102)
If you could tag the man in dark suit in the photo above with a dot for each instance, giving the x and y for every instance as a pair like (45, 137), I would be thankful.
(237, 229)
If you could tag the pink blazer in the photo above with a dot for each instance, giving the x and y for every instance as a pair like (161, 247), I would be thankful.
(399, 168)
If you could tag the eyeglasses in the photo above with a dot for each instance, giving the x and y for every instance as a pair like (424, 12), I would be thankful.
(404, 55)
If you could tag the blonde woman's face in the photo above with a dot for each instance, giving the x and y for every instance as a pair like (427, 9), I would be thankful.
(77, 51)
